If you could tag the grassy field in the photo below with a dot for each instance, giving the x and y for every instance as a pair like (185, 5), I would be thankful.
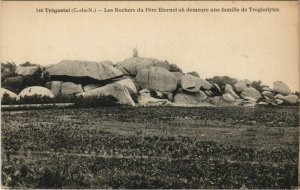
(154, 147)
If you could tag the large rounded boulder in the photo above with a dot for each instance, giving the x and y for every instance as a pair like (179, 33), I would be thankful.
(190, 98)
(157, 78)
(251, 93)
(204, 84)
(291, 98)
(268, 94)
(69, 88)
(116, 90)
(128, 83)
(36, 90)
(55, 87)
(240, 86)
(229, 90)
(228, 97)
(281, 88)
(190, 83)
(132, 66)
(84, 70)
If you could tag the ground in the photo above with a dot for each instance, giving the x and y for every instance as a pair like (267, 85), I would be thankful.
(151, 147)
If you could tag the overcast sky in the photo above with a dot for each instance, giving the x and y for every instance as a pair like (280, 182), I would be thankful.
(256, 46)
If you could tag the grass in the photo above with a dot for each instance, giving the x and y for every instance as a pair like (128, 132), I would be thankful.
(157, 147)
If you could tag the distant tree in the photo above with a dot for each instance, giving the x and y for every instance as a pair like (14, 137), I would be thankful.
(221, 81)
(28, 64)
(38, 78)
(174, 68)
(8, 70)
(14, 84)
(194, 73)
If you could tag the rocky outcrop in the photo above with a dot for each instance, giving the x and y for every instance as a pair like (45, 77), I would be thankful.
(251, 93)
(84, 70)
(216, 100)
(8, 92)
(190, 83)
(91, 87)
(36, 90)
(266, 88)
(69, 88)
(26, 71)
(240, 86)
(291, 98)
(55, 87)
(229, 90)
(228, 97)
(128, 83)
(178, 76)
(281, 88)
(279, 101)
(269, 94)
(116, 90)
(132, 66)
(204, 84)
(190, 98)
(157, 78)
(145, 99)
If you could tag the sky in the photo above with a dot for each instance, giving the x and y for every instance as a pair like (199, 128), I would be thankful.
(256, 46)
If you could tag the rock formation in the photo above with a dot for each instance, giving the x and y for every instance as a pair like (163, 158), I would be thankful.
(132, 66)
(69, 88)
(157, 78)
(84, 70)
(116, 90)
(190, 83)
(36, 90)
(281, 88)
(55, 87)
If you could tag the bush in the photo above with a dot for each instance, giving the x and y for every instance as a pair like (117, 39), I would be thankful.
(222, 81)
(38, 78)
(8, 70)
(7, 100)
(174, 68)
(36, 99)
(28, 64)
(194, 73)
(14, 83)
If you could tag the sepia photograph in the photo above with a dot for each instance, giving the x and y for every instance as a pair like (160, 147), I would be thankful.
(149, 94)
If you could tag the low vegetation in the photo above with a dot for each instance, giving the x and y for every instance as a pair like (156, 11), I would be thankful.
(153, 147)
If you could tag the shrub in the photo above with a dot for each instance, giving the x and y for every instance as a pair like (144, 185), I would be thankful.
(7, 100)
(35, 99)
(14, 83)
(194, 73)
(222, 81)
(38, 78)
(175, 68)
(7, 70)
(28, 64)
